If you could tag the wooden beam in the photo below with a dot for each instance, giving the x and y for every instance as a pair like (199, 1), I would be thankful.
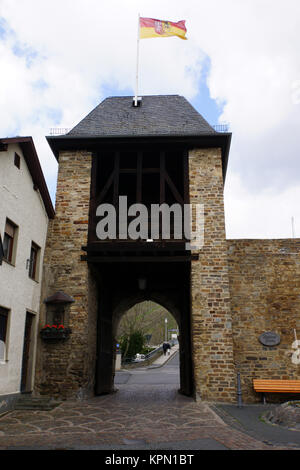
(106, 187)
(139, 177)
(134, 246)
(144, 170)
(137, 259)
(173, 188)
(186, 183)
(162, 196)
(116, 178)
(150, 170)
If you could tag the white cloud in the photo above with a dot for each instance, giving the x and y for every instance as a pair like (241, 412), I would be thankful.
(84, 47)
(266, 213)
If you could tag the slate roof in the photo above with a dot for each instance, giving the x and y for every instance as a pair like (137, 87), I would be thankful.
(163, 119)
(159, 115)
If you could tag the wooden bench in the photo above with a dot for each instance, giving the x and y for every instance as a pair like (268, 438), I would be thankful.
(276, 386)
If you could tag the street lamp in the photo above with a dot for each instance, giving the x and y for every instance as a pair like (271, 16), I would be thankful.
(166, 329)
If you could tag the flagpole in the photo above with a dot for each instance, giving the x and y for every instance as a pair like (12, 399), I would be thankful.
(137, 63)
(293, 228)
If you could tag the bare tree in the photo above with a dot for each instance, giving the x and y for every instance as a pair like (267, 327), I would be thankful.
(148, 318)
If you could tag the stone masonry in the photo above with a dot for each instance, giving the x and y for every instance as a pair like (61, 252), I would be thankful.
(265, 296)
(67, 369)
(211, 316)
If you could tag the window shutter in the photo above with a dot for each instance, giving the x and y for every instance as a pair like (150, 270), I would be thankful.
(9, 229)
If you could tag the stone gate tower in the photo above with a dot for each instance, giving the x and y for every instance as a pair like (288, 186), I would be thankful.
(160, 151)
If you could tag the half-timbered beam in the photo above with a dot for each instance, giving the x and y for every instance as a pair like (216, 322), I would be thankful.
(162, 177)
(106, 187)
(116, 178)
(173, 188)
(186, 192)
(139, 177)
(137, 259)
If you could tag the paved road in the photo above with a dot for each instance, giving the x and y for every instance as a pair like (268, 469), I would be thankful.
(166, 375)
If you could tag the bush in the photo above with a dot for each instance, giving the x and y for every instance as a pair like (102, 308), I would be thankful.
(132, 344)
(146, 350)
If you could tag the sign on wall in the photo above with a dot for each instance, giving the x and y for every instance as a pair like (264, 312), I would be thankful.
(269, 338)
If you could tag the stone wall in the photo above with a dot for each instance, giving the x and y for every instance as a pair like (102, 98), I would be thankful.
(66, 369)
(214, 372)
(265, 296)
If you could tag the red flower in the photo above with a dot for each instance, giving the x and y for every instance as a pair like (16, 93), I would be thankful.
(54, 326)
(46, 326)
(60, 326)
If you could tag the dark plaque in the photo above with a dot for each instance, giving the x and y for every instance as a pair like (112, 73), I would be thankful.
(269, 339)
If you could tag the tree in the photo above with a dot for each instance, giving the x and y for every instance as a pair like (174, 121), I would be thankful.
(146, 318)
(132, 344)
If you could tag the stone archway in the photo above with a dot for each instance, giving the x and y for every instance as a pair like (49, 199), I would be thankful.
(111, 309)
(147, 316)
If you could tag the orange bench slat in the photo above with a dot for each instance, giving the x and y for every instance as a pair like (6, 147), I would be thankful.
(279, 386)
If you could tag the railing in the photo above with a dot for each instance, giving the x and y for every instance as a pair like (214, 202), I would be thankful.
(146, 357)
(221, 127)
(172, 342)
(151, 353)
(59, 130)
(65, 130)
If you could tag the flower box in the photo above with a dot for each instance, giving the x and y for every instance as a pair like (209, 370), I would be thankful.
(55, 332)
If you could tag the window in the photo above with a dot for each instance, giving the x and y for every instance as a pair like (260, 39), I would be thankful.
(34, 261)
(9, 241)
(17, 160)
(3, 333)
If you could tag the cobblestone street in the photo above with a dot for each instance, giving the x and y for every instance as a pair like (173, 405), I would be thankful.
(133, 417)
(146, 412)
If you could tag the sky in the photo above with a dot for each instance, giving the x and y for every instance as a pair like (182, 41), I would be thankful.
(240, 65)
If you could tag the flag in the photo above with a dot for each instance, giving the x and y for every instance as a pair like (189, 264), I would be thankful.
(151, 28)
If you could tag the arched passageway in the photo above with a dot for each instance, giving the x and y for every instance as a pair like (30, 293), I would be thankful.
(144, 326)
(120, 288)
(143, 329)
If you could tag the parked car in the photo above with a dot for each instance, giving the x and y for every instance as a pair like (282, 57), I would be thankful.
(139, 357)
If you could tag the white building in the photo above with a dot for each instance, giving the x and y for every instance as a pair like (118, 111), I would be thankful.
(25, 208)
